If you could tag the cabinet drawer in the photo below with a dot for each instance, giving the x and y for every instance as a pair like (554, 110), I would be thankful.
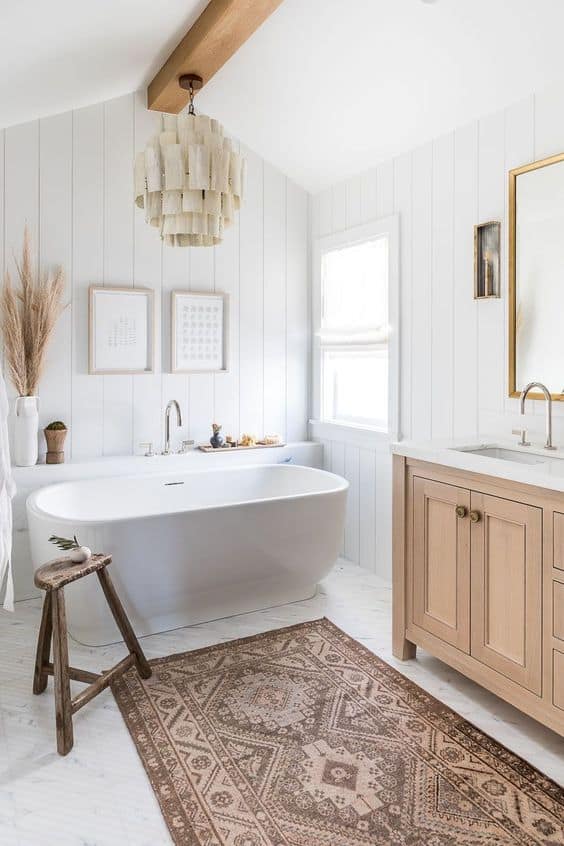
(558, 610)
(558, 678)
(558, 545)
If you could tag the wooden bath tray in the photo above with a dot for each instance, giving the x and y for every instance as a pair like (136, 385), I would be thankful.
(258, 445)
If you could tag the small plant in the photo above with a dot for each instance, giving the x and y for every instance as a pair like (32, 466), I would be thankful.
(56, 426)
(78, 553)
(65, 544)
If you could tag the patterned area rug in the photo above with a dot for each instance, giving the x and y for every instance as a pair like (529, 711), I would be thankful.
(302, 737)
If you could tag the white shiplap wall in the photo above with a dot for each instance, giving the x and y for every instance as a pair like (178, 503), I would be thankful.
(453, 349)
(70, 178)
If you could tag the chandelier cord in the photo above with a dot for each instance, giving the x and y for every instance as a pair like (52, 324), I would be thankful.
(191, 109)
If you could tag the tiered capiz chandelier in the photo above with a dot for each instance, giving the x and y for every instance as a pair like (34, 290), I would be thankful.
(189, 179)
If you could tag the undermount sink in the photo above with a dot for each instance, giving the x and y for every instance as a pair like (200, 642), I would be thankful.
(507, 454)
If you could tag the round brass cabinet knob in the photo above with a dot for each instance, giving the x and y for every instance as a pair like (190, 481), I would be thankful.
(461, 511)
(475, 516)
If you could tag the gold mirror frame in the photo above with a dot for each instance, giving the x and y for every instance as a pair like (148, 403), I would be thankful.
(512, 298)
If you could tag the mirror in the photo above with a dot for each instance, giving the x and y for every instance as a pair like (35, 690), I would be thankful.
(536, 276)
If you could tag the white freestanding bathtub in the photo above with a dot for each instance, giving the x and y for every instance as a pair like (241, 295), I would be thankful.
(193, 546)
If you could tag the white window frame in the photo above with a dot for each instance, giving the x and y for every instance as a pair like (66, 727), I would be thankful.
(387, 226)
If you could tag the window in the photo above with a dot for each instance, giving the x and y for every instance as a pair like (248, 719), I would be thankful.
(355, 336)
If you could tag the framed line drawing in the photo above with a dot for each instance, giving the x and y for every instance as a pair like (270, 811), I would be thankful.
(199, 332)
(120, 330)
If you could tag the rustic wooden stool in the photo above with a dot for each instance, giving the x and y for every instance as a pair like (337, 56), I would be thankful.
(52, 578)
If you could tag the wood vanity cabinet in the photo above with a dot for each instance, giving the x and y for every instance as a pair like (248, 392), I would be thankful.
(479, 581)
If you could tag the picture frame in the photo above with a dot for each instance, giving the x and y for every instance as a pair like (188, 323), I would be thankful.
(199, 332)
(121, 330)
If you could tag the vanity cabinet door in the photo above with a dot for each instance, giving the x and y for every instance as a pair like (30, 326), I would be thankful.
(441, 561)
(506, 545)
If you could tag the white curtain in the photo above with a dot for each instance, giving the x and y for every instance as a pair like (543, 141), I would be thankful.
(7, 491)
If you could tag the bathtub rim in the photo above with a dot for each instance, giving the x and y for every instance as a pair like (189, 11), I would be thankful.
(342, 485)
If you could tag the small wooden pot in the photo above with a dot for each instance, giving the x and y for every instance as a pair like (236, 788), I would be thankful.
(55, 445)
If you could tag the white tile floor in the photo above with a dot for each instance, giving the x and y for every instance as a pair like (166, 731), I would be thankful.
(99, 795)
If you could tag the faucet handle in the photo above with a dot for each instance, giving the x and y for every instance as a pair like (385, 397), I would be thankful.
(185, 446)
(148, 447)
(523, 435)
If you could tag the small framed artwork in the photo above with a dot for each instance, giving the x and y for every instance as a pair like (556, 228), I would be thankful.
(121, 330)
(199, 332)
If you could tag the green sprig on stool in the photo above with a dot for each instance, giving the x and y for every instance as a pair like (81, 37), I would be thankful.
(78, 553)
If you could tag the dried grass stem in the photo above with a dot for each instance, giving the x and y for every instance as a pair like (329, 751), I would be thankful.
(29, 315)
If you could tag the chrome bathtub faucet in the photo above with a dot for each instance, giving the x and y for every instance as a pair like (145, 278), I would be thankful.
(186, 446)
(172, 404)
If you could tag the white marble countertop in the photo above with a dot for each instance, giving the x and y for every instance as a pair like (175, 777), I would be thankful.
(549, 473)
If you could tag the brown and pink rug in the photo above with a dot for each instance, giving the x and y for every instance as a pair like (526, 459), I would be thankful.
(302, 737)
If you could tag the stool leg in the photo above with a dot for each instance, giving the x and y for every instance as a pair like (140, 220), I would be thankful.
(123, 624)
(43, 646)
(63, 709)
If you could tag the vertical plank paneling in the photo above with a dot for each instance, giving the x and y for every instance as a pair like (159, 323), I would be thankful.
(201, 384)
(251, 371)
(87, 428)
(147, 273)
(118, 258)
(226, 393)
(402, 201)
(383, 567)
(352, 474)
(55, 248)
(338, 467)
(21, 186)
(175, 277)
(491, 315)
(422, 323)
(297, 313)
(275, 410)
(21, 191)
(70, 178)
(441, 287)
(367, 509)
(453, 367)
(465, 390)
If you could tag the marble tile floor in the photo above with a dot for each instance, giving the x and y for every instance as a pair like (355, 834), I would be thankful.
(99, 794)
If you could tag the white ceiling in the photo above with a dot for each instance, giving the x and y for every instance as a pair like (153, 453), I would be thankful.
(57, 55)
(324, 89)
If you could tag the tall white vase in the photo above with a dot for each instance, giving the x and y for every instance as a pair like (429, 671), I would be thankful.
(26, 426)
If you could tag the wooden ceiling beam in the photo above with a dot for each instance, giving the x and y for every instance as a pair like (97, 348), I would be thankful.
(221, 29)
